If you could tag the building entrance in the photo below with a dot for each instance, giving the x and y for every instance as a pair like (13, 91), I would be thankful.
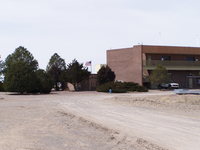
(193, 82)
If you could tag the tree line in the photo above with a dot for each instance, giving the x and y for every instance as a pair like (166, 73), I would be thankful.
(22, 74)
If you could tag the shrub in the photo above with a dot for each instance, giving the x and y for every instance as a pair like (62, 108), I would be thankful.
(121, 87)
(141, 89)
(130, 86)
(119, 91)
(116, 87)
(105, 87)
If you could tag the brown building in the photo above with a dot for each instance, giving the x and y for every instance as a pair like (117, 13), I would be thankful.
(135, 64)
(89, 84)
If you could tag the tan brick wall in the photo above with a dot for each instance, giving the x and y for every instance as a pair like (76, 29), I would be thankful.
(126, 63)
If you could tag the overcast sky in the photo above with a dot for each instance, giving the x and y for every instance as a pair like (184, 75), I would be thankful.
(85, 29)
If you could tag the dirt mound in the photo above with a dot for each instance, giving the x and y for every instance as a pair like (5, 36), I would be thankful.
(181, 102)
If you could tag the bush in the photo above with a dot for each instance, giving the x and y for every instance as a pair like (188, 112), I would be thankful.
(119, 91)
(121, 87)
(141, 89)
(105, 87)
(130, 86)
(116, 87)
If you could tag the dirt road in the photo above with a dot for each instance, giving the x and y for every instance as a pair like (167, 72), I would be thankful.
(89, 120)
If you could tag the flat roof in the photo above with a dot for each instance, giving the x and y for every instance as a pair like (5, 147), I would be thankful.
(170, 50)
(158, 49)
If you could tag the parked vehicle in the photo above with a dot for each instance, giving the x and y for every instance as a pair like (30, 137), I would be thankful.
(174, 85)
(163, 86)
(168, 86)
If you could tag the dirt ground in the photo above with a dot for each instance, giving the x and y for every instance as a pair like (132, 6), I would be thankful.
(97, 121)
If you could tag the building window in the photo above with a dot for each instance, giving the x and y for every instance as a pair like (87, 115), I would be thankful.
(190, 58)
(148, 57)
(198, 81)
(165, 58)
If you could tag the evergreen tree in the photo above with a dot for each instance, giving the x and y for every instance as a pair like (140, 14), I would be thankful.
(1, 66)
(76, 73)
(45, 83)
(1, 69)
(57, 71)
(19, 72)
(105, 74)
(159, 75)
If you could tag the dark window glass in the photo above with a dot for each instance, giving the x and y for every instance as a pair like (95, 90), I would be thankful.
(190, 58)
(166, 58)
(148, 57)
(198, 81)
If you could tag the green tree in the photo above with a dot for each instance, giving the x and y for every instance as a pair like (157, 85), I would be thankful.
(45, 83)
(1, 69)
(76, 73)
(19, 72)
(1, 86)
(159, 75)
(105, 74)
(1, 66)
(57, 71)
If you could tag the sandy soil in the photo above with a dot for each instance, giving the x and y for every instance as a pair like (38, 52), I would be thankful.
(90, 120)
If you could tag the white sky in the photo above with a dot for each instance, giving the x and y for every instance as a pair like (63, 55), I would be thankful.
(85, 29)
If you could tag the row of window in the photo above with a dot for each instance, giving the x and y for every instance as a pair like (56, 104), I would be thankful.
(187, 58)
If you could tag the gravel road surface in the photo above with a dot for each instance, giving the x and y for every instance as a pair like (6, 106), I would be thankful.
(90, 120)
